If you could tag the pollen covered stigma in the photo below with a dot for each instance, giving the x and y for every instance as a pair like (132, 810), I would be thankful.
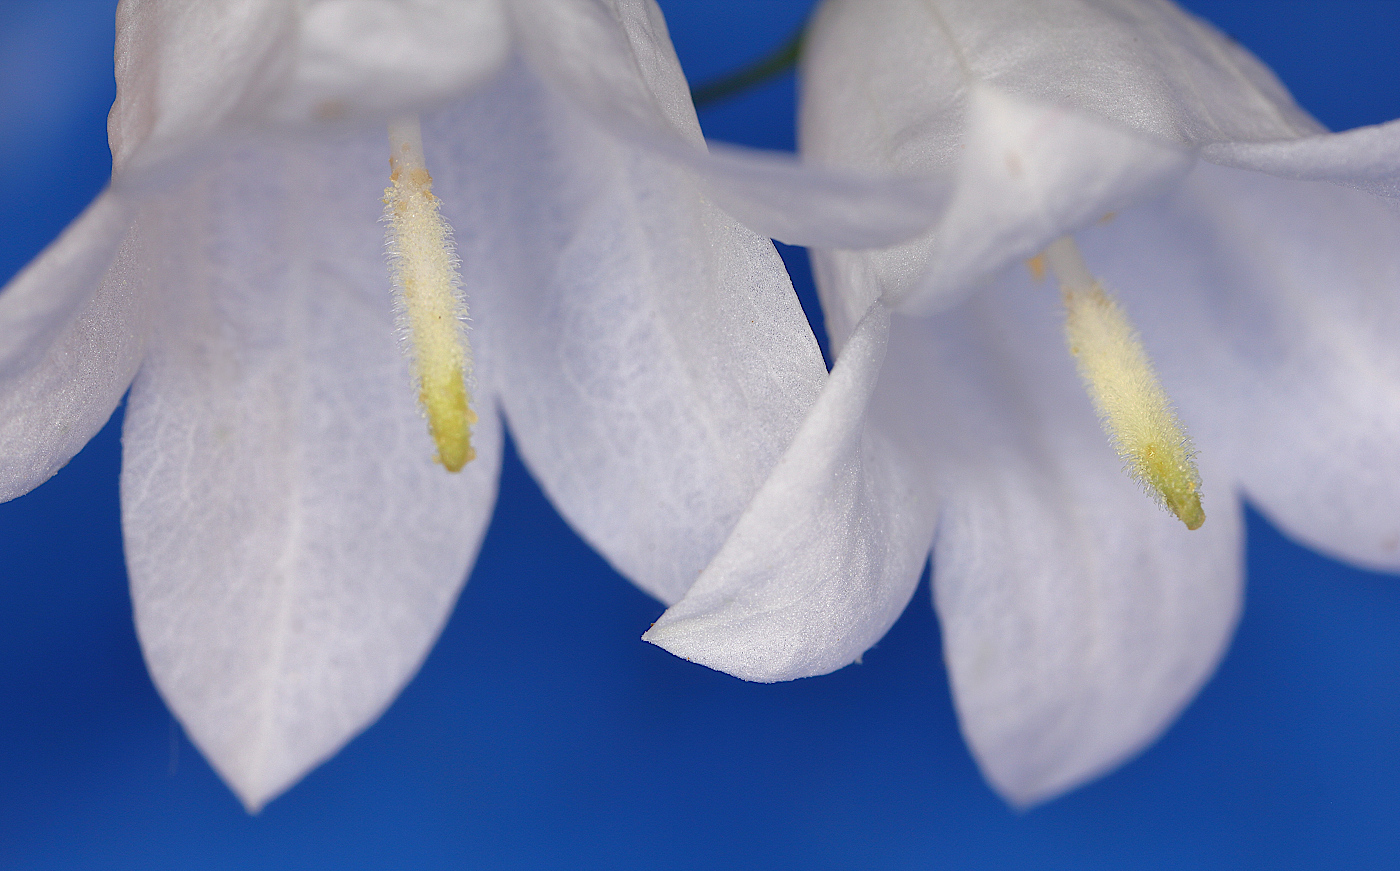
(1135, 412)
(428, 299)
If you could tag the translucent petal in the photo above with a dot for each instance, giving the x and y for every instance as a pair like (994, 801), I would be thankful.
(1030, 172)
(383, 57)
(293, 549)
(1078, 617)
(801, 204)
(612, 59)
(1367, 157)
(1039, 116)
(190, 71)
(70, 343)
(885, 81)
(1271, 305)
(828, 553)
(658, 362)
(186, 70)
(615, 62)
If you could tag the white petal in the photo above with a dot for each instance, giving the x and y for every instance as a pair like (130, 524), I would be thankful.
(616, 62)
(884, 80)
(1272, 304)
(1078, 617)
(658, 362)
(1149, 65)
(1046, 114)
(827, 554)
(187, 71)
(881, 89)
(1029, 172)
(612, 59)
(1366, 158)
(293, 548)
(70, 343)
(381, 57)
(800, 204)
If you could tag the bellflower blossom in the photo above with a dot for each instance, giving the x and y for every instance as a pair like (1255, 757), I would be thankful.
(1255, 258)
(293, 549)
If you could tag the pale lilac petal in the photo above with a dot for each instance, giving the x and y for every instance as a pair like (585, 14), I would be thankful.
(368, 58)
(1367, 157)
(801, 204)
(611, 59)
(1271, 304)
(1078, 617)
(827, 554)
(187, 72)
(615, 62)
(293, 549)
(1149, 65)
(658, 362)
(184, 70)
(885, 81)
(1040, 117)
(1030, 171)
(70, 343)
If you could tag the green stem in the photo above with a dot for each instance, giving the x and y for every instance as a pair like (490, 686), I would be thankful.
(775, 63)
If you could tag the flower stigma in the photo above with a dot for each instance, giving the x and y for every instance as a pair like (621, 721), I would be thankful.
(428, 299)
(1133, 408)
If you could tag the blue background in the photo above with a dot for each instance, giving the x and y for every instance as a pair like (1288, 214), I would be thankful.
(542, 733)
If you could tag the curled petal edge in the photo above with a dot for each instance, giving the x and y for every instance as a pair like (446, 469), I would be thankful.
(827, 554)
(1367, 158)
(627, 80)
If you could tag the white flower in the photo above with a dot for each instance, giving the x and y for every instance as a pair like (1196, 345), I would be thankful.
(293, 549)
(1259, 257)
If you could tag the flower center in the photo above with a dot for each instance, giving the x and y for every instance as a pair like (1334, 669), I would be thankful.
(432, 313)
(1135, 412)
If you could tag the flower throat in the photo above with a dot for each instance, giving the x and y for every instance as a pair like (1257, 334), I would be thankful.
(1133, 408)
(428, 300)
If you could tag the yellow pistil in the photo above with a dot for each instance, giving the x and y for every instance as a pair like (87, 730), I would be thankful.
(1135, 412)
(428, 297)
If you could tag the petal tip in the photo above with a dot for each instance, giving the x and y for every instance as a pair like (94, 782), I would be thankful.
(705, 639)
